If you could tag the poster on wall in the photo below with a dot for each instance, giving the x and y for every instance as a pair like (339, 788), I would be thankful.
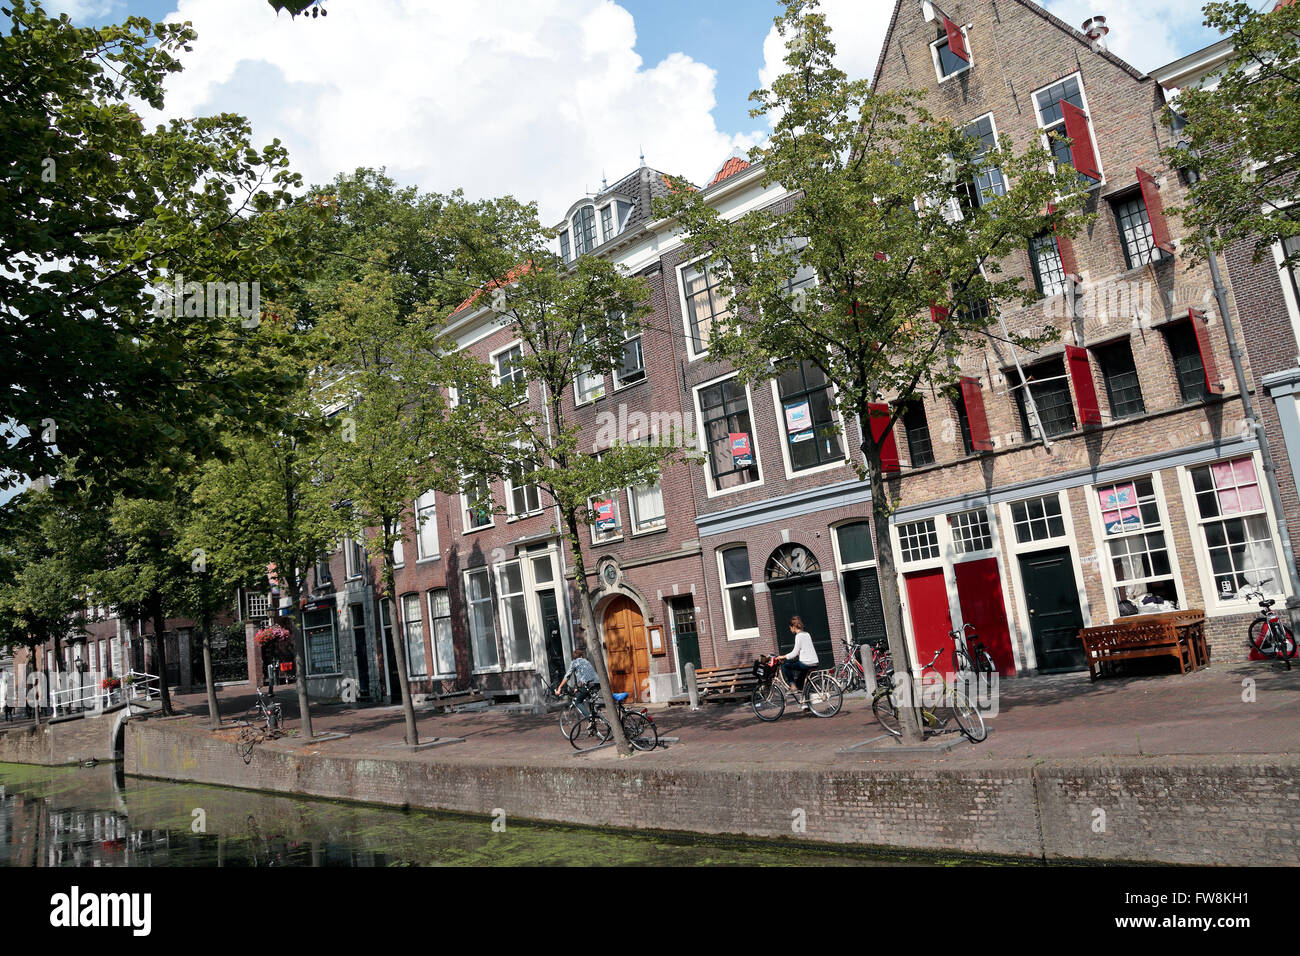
(1119, 510)
(741, 454)
(798, 418)
(605, 520)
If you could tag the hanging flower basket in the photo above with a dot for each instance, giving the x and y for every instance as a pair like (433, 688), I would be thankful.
(276, 643)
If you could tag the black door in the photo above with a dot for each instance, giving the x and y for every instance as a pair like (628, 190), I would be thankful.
(394, 685)
(363, 658)
(554, 641)
(806, 598)
(688, 638)
(866, 610)
(1054, 615)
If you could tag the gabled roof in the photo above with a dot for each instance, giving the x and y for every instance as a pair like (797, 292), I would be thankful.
(732, 166)
(1033, 8)
(511, 276)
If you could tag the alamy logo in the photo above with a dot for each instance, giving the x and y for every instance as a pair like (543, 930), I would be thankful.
(211, 300)
(75, 909)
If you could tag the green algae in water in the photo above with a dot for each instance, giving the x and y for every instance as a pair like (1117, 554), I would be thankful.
(86, 817)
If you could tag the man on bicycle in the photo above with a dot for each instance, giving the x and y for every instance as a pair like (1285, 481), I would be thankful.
(584, 677)
(802, 657)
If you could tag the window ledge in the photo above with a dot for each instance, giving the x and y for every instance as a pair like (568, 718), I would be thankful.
(650, 531)
(482, 527)
(486, 670)
(623, 387)
(429, 560)
(747, 635)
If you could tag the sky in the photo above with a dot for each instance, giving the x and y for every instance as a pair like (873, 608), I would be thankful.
(537, 98)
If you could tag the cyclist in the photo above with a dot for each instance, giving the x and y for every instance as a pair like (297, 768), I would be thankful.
(802, 657)
(584, 679)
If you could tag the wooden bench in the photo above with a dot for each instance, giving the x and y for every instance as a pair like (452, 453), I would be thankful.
(722, 684)
(1177, 634)
(448, 701)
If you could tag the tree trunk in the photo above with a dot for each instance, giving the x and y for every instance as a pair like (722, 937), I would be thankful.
(909, 717)
(595, 653)
(214, 712)
(160, 642)
(412, 737)
(300, 654)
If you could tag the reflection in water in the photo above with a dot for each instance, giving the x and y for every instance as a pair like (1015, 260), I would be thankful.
(85, 817)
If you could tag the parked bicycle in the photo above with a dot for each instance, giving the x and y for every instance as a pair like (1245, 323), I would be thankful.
(969, 652)
(953, 705)
(592, 730)
(850, 674)
(821, 694)
(265, 719)
(1267, 633)
(571, 714)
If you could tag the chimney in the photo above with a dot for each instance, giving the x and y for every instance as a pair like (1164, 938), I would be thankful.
(1096, 29)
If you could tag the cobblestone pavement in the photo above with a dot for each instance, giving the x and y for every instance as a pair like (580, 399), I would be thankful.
(1226, 709)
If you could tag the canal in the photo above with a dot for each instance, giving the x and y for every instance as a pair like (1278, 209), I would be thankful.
(89, 816)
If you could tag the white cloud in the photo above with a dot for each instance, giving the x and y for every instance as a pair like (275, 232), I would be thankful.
(82, 10)
(531, 97)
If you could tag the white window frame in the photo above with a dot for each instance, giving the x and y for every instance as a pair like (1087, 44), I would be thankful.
(607, 234)
(491, 639)
(618, 384)
(691, 353)
(732, 633)
(353, 563)
(1200, 548)
(1288, 292)
(938, 64)
(710, 486)
(507, 637)
(661, 524)
(596, 394)
(466, 526)
(406, 636)
(511, 488)
(617, 533)
(422, 553)
(434, 618)
(1087, 109)
(495, 359)
(997, 148)
(1104, 559)
(399, 548)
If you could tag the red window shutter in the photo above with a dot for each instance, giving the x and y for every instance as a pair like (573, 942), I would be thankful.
(956, 42)
(1085, 392)
(879, 427)
(972, 397)
(1081, 148)
(1065, 249)
(1206, 347)
(937, 313)
(1155, 212)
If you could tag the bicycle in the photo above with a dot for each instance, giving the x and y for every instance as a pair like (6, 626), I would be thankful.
(966, 656)
(638, 726)
(968, 718)
(1267, 634)
(571, 714)
(850, 674)
(266, 711)
(822, 693)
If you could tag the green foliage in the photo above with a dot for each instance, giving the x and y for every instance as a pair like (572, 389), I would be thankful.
(1244, 134)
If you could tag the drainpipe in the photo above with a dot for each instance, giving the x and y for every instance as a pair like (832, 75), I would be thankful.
(1270, 473)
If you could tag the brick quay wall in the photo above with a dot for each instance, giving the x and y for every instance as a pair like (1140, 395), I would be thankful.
(1228, 810)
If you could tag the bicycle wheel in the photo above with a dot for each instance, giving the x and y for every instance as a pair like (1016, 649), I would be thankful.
(589, 734)
(568, 717)
(969, 719)
(823, 694)
(1258, 635)
(984, 663)
(640, 731)
(768, 700)
(886, 711)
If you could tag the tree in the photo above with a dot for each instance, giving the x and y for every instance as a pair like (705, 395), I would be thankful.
(99, 215)
(569, 318)
(1241, 136)
(883, 211)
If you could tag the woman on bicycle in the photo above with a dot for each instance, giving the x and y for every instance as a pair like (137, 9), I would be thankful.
(802, 657)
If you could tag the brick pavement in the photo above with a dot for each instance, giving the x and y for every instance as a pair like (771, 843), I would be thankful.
(1058, 717)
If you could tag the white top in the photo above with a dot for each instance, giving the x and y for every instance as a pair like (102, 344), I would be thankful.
(802, 651)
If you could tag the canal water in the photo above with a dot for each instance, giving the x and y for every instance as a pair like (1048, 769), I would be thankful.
(90, 816)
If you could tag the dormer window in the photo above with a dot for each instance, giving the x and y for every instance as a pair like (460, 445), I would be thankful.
(584, 230)
(566, 253)
(607, 223)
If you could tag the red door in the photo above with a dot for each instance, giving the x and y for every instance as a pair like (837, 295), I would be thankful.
(927, 596)
(979, 591)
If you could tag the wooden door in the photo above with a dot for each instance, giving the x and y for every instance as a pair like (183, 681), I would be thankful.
(1054, 614)
(979, 591)
(626, 653)
(927, 599)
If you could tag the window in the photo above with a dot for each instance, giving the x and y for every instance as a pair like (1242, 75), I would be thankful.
(917, 429)
(918, 540)
(413, 634)
(509, 368)
(476, 504)
(607, 223)
(738, 588)
(323, 569)
(705, 305)
(1235, 527)
(728, 434)
(1051, 394)
(632, 367)
(444, 652)
(1053, 119)
(322, 649)
(399, 550)
(963, 419)
(584, 230)
(1037, 519)
(855, 543)
(1135, 230)
(647, 503)
(804, 276)
(988, 184)
(525, 498)
(589, 385)
(482, 627)
(946, 62)
(812, 435)
(1120, 375)
(355, 554)
(1049, 272)
(1135, 539)
(606, 524)
(1186, 357)
(565, 252)
(259, 607)
(514, 614)
(426, 524)
(971, 531)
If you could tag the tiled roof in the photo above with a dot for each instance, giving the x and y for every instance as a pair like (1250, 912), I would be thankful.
(511, 276)
(732, 166)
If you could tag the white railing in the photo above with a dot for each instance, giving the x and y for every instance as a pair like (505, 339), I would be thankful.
(78, 695)
(142, 687)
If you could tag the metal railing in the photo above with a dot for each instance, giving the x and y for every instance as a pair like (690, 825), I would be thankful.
(136, 688)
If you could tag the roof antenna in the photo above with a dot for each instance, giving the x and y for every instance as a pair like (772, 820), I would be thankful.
(603, 184)
(642, 157)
